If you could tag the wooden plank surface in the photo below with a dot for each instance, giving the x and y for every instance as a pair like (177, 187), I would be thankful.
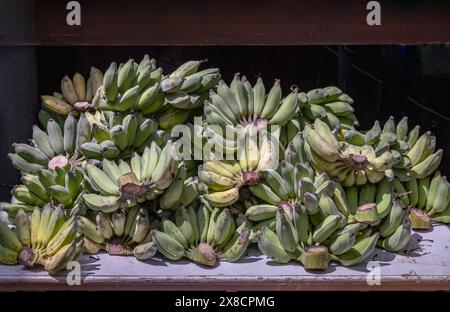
(234, 22)
(426, 266)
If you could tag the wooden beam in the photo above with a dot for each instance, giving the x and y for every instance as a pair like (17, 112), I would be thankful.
(235, 22)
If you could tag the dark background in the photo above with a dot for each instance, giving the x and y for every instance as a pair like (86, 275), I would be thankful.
(383, 80)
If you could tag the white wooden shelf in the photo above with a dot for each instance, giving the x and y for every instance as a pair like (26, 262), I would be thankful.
(425, 267)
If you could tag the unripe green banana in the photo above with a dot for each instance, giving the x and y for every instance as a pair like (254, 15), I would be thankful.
(286, 232)
(174, 232)
(442, 197)
(428, 165)
(33, 183)
(327, 206)
(367, 194)
(110, 82)
(22, 194)
(91, 150)
(311, 203)
(443, 217)
(63, 237)
(100, 132)
(342, 243)
(185, 225)
(413, 190)
(101, 181)
(221, 226)
(320, 145)
(418, 149)
(118, 220)
(103, 221)
(434, 184)
(399, 239)
(413, 135)
(7, 256)
(101, 203)
(31, 154)
(384, 198)
(237, 246)
(363, 247)
(393, 219)
(270, 245)
(261, 212)
(401, 192)
(326, 228)
(23, 227)
(340, 199)
(90, 229)
(423, 186)
(223, 198)
(145, 251)
(265, 193)
(59, 260)
(61, 195)
(168, 246)
(8, 238)
(301, 223)
(277, 183)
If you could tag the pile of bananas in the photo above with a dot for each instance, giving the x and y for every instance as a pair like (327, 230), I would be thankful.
(222, 180)
(329, 104)
(59, 187)
(203, 234)
(237, 113)
(57, 147)
(76, 94)
(116, 135)
(412, 154)
(145, 177)
(297, 178)
(122, 232)
(430, 199)
(46, 238)
(244, 105)
(143, 87)
(356, 158)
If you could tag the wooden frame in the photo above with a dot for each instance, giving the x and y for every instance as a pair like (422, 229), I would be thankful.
(233, 22)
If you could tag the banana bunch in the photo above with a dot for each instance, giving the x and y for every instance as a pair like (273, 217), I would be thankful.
(130, 87)
(76, 94)
(430, 199)
(186, 89)
(412, 154)
(347, 163)
(223, 179)
(117, 135)
(395, 229)
(59, 187)
(47, 239)
(202, 235)
(244, 104)
(122, 232)
(57, 147)
(329, 104)
(143, 87)
(124, 184)
(291, 185)
(241, 110)
(315, 244)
